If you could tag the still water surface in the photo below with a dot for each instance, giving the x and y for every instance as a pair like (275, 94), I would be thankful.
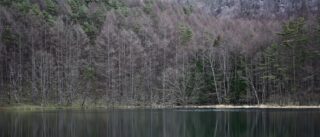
(161, 123)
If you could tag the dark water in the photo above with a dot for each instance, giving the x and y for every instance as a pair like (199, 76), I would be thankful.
(161, 123)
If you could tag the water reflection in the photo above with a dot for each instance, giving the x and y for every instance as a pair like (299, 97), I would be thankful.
(161, 123)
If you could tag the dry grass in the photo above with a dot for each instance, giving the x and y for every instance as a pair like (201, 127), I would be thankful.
(264, 106)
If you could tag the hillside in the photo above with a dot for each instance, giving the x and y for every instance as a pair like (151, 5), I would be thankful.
(255, 8)
(110, 52)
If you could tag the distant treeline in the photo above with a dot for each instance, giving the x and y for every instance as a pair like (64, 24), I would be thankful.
(111, 52)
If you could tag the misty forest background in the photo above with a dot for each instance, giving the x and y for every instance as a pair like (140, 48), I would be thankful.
(134, 52)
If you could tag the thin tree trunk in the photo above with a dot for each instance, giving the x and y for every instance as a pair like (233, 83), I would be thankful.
(214, 80)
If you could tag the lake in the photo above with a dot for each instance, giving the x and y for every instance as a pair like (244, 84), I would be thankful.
(161, 123)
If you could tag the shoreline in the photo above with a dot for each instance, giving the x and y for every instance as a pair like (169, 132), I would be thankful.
(263, 106)
(254, 107)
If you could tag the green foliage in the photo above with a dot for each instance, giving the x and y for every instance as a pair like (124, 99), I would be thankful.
(23, 6)
(199, 66)
(136, 27)
(217, 41)
(207, 90)
(318, 32)
(187, 10)
(124, 11)
(7, 2)
(294, 36)
(8, 37)
(48, 17)
(148, 7)
(282, 68)
(272, 68)
(206, 81)
(239, 83)
(79, 10)
(186, 34)
(272, 64)
(201, 75)
(89, 24)
(81, 14)
(26, 7)
(238, 87)
(114, 4)
(89, 73)
(91, 30)
(35, 10)
(318, 26)
(191, 83)
(75, 5)
(294, 33)
(98, 18)
(52, 8)
(93, 22)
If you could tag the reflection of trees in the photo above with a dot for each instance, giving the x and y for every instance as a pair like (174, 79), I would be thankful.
(160, 123)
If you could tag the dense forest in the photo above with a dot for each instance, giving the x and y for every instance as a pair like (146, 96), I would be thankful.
(153, 52)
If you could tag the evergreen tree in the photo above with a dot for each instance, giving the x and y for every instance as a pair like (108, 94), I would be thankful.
(294, 39)
(51, 7)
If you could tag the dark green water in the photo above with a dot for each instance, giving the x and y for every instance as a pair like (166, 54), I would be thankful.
(161, 123)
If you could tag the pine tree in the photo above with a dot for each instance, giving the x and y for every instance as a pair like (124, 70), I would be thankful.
(51, 7)
(294, 39)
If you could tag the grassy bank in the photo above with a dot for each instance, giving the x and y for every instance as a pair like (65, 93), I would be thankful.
(263, 106)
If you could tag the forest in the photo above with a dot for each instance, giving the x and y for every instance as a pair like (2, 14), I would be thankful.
(153, 52)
